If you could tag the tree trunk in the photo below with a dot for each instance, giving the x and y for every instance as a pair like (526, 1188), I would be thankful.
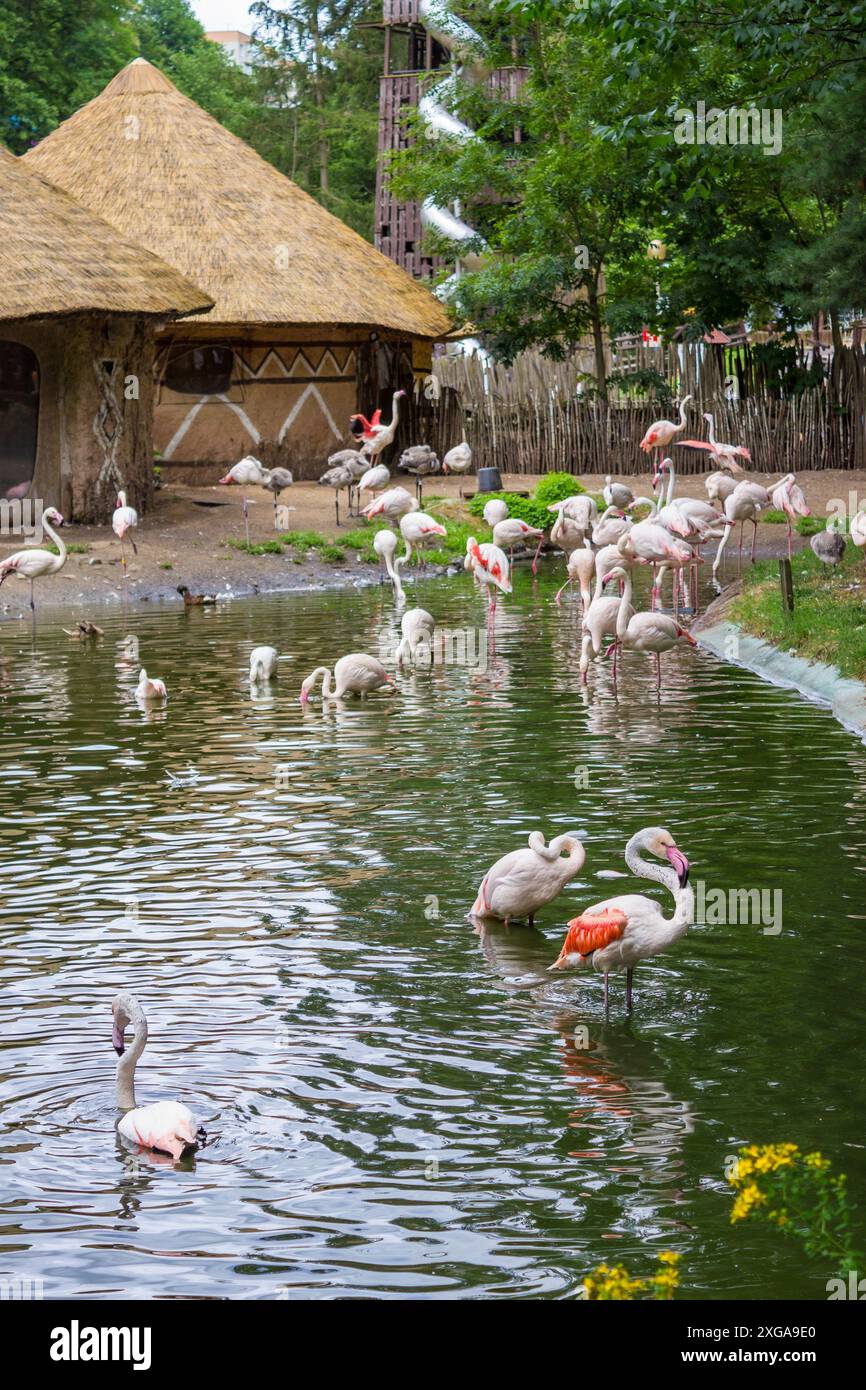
(597, 340)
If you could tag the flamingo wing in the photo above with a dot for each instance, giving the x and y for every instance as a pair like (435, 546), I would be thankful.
(695, 444)
(592, 931)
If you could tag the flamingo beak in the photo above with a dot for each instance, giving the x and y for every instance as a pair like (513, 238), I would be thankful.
(304, 697)
(227, 479)
(679, 863)
(117, 1040)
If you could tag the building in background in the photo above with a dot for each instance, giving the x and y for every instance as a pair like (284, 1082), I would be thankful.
(310, 323)
(79, 309)
(238, 46)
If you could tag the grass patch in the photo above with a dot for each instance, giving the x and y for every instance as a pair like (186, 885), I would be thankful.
(829, 619)
(804, 525)
(331, 554)
(166, 565)
(257, 547)
(73, 547)
(304, 540)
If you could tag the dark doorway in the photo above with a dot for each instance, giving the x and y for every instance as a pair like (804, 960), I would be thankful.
(19, 418)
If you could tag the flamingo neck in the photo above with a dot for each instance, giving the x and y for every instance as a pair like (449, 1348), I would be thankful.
(672, 478)
(126, 1064)
(622, 616)
(682, 415)
(684, 898)
(48, 529)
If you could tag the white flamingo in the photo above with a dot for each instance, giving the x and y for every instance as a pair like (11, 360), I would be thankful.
(33, 563)
(600, 618)
(512, 531)
(495, 510)
(263, 664)
(246, 473)
(150, 688)
(660, 434)
(458, 461)
(720, 486)
(644, 632)
(385, 545)
(745, 503)
(374, 435)
(355, 674)
(580, 567)
(166, 1127)
(857, 531)
(393, 504)
(787, 497)
(611, 525)
(567, 533)
(419, 530)
(490, 569)
(376, 479)
(124, 520)
(416, 637)
(617, 933)
(723, 455)
(521, 883)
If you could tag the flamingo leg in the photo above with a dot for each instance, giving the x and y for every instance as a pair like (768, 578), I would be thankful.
(658, 671)
(754, 537)
(536, 555)
(337, 505)
(789, 538)
(606, 996)
(629, 975)
(32, 600)
(740, 552)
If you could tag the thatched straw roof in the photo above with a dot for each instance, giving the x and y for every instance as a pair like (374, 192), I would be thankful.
(56, 257)
(166, 174)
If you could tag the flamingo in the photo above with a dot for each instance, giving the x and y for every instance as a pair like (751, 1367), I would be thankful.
(393, 504)
(495, 510)
(421, 462)
(787, 497)
(649, 543)
(419, 530)
(659, 435)
(416, 628)
(150, 688)
(521, 883)
(276, 480)
(610, 527)
(599, 619)
(644, 632)
(512, 531)
(724, 455)
(617, 494)
(858, 531)
(580, 566)
(355, 674)
(490, 568)
(246, 473)
(745, 503)
(338, 477)
(458, 461)
(385, 545)
(376, 479)
(701, 518)
(263, 664)
(828, 545)
(166, 1127)
(621, 931)
(32, 563)
(719, 487)
(567, 534)
(376, 436)
(125, 518)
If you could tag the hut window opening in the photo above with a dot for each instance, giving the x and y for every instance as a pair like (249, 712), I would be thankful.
(19, 418)
(200, 371)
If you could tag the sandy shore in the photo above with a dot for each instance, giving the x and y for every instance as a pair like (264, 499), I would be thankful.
(186, 539)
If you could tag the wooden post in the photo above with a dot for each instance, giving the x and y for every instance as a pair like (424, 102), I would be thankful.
(787, 583)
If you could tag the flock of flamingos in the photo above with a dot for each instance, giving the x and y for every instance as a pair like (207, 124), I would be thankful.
(600, 550)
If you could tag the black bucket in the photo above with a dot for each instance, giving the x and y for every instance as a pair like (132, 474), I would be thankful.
(489, 480)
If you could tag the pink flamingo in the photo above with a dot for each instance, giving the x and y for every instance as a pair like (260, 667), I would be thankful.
(745, 503)
(150, 688)
(419, 530)
(644, 632)
(788, 498)
(376, 436)
(659, 435)
(124, 520)
(725, 455)
(33, 563)
(166, 1127)
(355, 674)
(393, 504)
(619, 932)
(649, 543)
(526, 880)
(512, 531)
(580, 566)
(490, 568)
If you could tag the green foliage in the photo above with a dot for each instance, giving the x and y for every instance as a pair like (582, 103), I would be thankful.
(614, 1284)
(524, 508)
(257, 547)
(798, 1194)
(555, 487)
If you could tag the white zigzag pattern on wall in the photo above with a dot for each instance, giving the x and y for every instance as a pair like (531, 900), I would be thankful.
(311, 390)
(185, 424)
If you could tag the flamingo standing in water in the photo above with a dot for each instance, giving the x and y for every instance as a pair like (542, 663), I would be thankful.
(600, 618)
(580, 566)
(644, 632)
(660, 434)
(385, 545)
(526, 880)
(490, 568)
(263, 664)
(150, 688)
(416, 628)
(788, 498)
(32, 563)
(355, 674)
(745, 503)
(374, 435)
(512, 531)
(621, 931)
(166, 1127)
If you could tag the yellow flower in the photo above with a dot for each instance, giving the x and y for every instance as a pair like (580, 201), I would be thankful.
(669, 1257)
(750, 1197)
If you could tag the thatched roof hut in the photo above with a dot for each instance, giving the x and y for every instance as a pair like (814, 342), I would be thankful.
(79, 308)
(309, 318)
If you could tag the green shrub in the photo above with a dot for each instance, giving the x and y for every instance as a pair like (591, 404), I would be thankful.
(524, 508)
(555, 487)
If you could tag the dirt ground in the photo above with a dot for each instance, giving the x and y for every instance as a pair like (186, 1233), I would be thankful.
(185, 539)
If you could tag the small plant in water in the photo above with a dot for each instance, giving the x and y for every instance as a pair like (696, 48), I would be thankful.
(613, 1283)
(797, 1193)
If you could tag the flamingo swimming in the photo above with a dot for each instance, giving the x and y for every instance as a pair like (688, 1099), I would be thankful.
(521, 883)
(374, 435)
(166, 1127)
(660, 434)
(644, 632)
(32, 563)
(150, 688)
(619, 932)
(355, 674)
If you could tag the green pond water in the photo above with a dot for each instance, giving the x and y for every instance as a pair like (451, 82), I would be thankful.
(397, 1105)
